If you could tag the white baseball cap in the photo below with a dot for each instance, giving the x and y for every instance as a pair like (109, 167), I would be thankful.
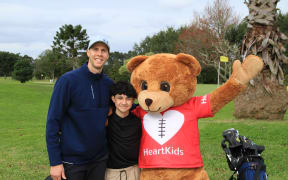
(93, 42)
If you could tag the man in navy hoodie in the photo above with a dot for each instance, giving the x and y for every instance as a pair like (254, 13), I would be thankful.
(75, 129)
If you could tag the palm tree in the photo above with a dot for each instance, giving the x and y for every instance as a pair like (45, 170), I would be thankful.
(265, 97)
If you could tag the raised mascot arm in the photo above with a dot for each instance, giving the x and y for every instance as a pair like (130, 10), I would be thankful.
(241, 75)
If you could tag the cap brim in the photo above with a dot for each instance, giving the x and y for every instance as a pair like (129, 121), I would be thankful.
(97, 42)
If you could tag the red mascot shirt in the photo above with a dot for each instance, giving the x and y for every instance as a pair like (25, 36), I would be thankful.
(170, 139)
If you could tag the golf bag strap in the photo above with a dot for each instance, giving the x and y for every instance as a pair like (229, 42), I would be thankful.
(237, 169)
(232, 177)
(261, 166)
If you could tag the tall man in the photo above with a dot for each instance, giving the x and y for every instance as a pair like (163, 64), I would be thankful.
(75, 130)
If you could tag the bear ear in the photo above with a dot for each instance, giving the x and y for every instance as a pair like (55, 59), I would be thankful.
(134, 62)
(189, 61)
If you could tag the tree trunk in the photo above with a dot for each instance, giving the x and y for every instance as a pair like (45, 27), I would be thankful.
(265, 97)
(257, 103)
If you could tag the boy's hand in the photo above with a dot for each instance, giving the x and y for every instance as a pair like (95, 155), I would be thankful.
(57, 172)
(110, 111)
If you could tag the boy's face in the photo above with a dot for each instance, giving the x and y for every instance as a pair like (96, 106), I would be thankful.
(122, 103)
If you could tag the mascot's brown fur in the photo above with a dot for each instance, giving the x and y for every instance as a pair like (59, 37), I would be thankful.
(180, 72)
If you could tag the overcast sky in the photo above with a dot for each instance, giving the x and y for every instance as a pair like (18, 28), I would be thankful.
(28, 26)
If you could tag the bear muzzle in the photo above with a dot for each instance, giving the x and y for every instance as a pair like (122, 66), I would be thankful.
(155, 101)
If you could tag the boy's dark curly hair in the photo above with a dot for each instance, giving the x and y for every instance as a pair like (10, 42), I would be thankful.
(123, 87)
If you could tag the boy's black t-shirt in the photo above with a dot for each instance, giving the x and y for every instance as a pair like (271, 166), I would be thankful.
(123, 140)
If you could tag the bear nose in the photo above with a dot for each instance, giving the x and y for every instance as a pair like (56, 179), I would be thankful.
(148, 102)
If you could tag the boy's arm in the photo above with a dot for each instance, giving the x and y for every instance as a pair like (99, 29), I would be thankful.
(109, 114)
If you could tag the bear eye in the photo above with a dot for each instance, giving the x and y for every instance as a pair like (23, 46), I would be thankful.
(144, 85)
(165, 86)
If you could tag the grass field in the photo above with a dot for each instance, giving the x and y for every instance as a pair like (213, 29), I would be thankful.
(23, 154)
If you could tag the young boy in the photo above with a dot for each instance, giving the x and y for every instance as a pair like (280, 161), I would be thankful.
(124, 133)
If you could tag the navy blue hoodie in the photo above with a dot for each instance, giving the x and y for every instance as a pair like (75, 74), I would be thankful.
(75, 129)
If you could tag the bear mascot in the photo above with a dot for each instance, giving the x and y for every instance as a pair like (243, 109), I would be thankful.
(165, 84)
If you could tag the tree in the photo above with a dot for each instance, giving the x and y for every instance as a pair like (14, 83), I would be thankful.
(52, 65)
(46, 65)
(162, 42)
(23, 69)
(7, 61)
(217, 18)
(123, 72)
(205, 37)
(235, 33)
(111, 69)
(116, 59)
(117, 56)
(208, 75)
(282, 22)
(69, 41)
(265, 97)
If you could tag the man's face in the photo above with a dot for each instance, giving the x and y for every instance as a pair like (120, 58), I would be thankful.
(122, 103)
(98, 55)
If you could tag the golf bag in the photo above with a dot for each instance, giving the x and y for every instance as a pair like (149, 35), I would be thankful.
(243, 156)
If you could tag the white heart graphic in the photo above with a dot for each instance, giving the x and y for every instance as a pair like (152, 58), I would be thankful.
(162, 128)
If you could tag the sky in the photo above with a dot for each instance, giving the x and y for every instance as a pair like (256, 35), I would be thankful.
(29, 26)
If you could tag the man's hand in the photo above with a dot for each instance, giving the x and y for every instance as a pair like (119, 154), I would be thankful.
(57, 172)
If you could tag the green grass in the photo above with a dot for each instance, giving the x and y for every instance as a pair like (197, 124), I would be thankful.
(23, 110)
(23, 154)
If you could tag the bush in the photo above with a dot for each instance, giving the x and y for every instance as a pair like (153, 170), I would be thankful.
(23, 70)
(208, 75)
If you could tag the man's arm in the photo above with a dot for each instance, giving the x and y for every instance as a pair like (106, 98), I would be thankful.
(58, 106)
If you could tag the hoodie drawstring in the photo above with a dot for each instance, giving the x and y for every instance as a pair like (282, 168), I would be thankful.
(92, 92)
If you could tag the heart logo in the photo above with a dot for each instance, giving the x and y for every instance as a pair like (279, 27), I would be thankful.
(163, 128)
